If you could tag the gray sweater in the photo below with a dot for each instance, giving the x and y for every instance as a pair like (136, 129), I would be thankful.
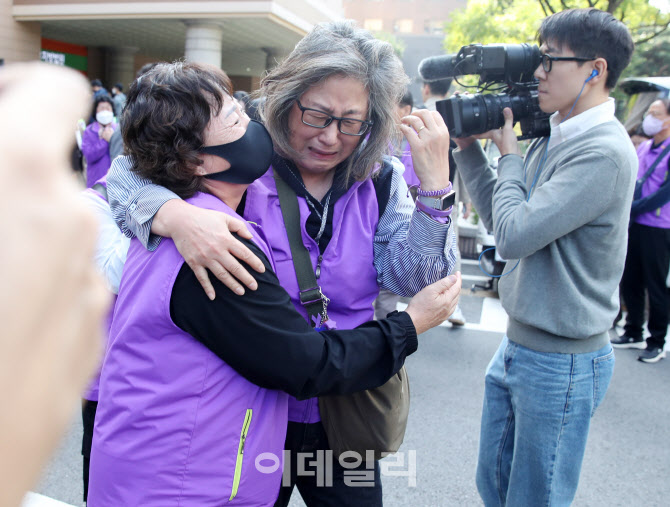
(570, 237)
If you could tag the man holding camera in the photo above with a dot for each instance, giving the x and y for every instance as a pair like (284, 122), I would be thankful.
(562, 211)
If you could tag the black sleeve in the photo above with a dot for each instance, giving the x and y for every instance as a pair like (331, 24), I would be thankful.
(264, 338)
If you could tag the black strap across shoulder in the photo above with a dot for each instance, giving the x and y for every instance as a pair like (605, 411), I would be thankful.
(311, 296)
(653, 166)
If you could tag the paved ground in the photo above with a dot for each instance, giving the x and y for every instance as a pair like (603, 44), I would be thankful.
(627, 461)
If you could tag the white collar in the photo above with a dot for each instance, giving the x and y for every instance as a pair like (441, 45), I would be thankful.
(577, 125)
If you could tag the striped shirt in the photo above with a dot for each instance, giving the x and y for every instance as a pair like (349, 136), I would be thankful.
(411, 249)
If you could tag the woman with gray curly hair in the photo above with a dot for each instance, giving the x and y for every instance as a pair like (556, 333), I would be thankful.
(329, 110)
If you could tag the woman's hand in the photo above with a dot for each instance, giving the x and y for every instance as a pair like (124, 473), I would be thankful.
(204, 238)
(106, 132)
(428, 138)
(435, 303)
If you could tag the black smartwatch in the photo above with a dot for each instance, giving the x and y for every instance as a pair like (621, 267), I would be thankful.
(440, 203)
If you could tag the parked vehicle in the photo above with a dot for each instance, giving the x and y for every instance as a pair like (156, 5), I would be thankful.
(641, 91)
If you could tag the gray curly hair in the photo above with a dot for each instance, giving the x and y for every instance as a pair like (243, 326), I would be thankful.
(338, 49)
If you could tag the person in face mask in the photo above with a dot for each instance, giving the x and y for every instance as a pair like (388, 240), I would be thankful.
(194, 402)
(95, 141)
(648, 255)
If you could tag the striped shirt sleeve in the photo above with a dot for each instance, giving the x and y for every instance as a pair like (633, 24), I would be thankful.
(134, 201)
(411, 249)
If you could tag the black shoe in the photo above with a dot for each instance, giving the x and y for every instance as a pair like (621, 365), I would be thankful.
(651, 355)
(628, 342)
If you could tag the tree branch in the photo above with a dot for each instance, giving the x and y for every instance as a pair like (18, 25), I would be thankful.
(613, 5)
(653, 35)
(547, 7)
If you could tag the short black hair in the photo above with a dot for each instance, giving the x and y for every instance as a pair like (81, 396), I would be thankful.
(591, 33)
(96, 82)
(406, 99)
(439, 87)
(98, 100)
(119, 86)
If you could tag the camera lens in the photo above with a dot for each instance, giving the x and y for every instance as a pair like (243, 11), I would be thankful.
(475, 114)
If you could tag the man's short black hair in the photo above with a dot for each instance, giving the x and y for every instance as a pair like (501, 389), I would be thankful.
(591, 33)
(96, 82)
(439, 87)
(406, 99)
(119, 86)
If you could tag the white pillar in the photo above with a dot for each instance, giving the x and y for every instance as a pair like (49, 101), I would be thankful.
(204, 42)
(120, 67)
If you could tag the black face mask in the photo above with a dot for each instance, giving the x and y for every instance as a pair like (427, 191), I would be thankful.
(249, 157)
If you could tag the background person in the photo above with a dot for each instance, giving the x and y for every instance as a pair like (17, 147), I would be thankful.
(51, 299)
(119, 99)
(172, 405)
(638, 137)
(336, 89)
(242, 98)
(97, 89)
(648, 256)
(95, 140)
(562, 211)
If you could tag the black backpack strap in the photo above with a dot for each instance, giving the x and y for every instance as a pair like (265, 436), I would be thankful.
(311, 296)
(382, 183)
(653, 166)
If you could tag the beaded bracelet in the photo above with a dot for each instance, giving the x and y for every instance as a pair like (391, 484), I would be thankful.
(432, 211)
(434, 193)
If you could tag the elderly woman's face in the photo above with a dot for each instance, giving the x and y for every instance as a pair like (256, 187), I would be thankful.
(229, 125)
(321, 150)
(104, 106)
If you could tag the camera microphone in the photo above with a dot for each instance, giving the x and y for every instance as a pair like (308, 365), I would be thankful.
(437, 67)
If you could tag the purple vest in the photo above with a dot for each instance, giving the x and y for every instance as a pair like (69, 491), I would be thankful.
(659, 217)
(96, 152)
(348, 276)
(177, 426)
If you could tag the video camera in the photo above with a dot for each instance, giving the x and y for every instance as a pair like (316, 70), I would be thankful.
(507, 67)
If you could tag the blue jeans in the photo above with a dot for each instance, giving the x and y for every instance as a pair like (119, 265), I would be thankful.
(535, 421)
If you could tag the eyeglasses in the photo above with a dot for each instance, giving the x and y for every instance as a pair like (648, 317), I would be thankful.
(547, 60)
(320, 120)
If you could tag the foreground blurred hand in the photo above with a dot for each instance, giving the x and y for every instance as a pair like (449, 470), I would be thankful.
(51, 300)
